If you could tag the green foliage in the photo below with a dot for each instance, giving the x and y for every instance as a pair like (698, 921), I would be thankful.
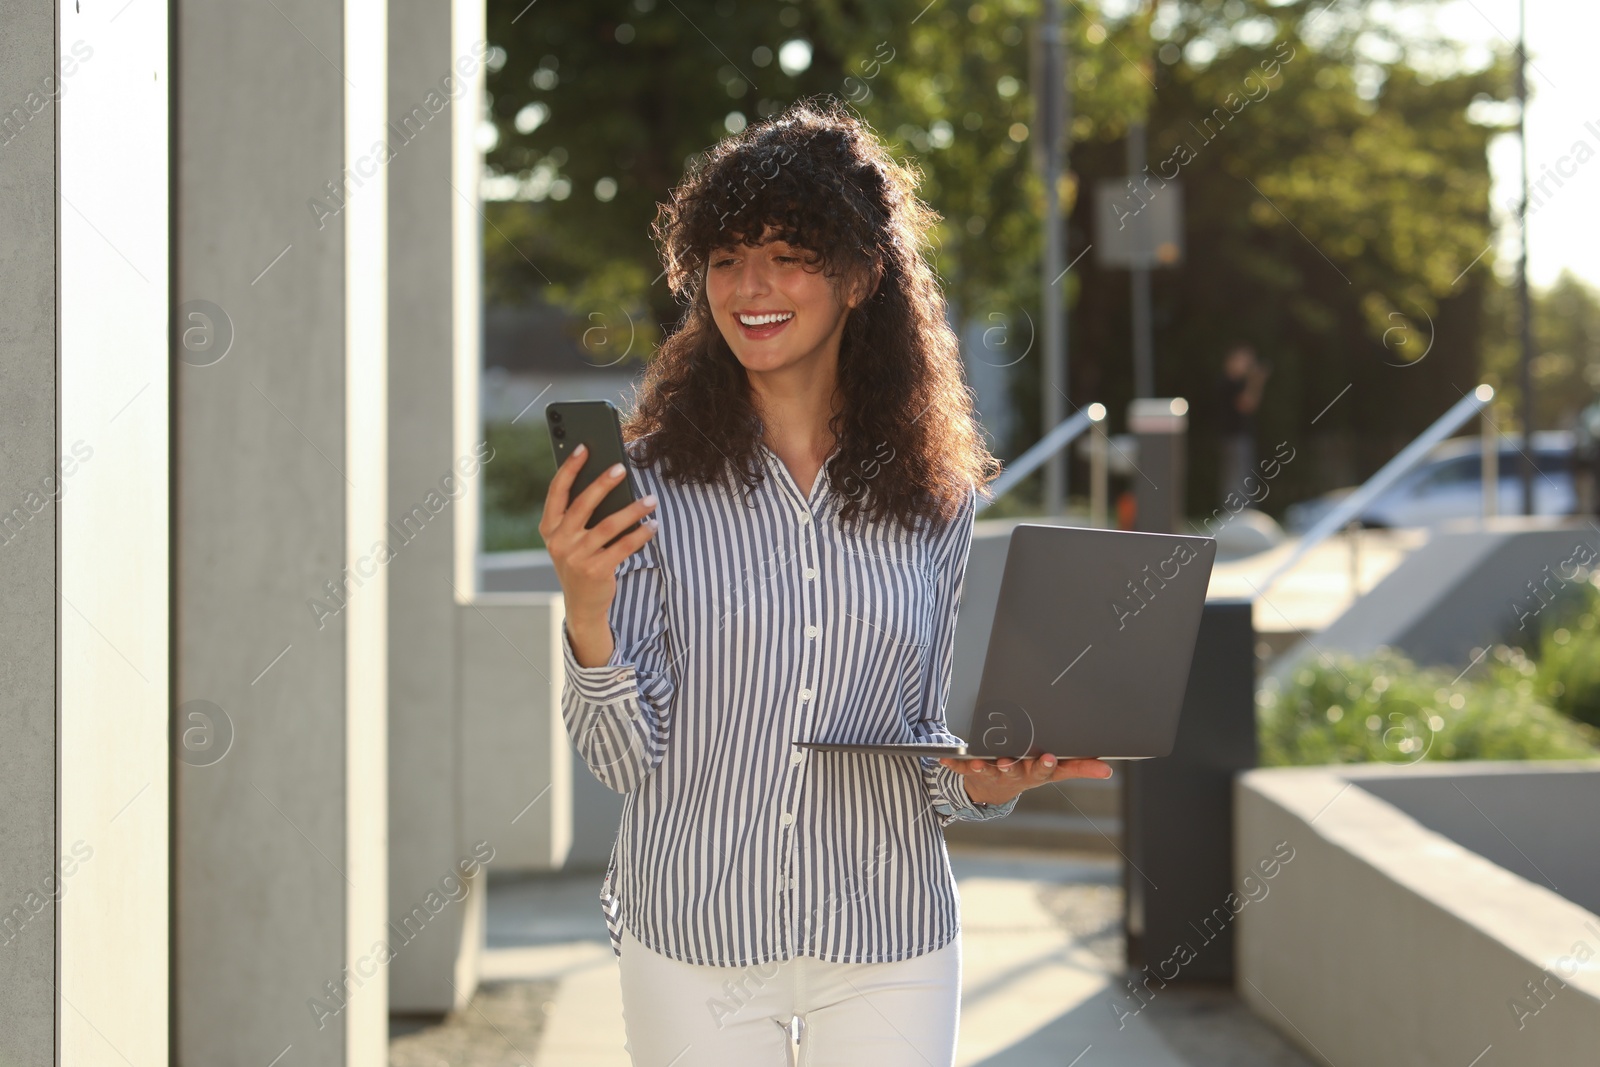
(1568, 676)
(515, 486)
(957, 98)
(1329, 221)
(631, 92)
(1566, 345)
(945, 84)
(1386, 709)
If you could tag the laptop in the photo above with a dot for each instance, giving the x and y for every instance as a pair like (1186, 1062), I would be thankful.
(1089, 654)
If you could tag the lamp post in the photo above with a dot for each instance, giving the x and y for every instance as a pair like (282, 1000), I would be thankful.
(1139, 276)
(1051, 106)
(1522, 265)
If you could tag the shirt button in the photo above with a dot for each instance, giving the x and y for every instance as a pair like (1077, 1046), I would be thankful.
(805, 695)
(805, 517)
(798, 758)
(811, 572)
(794, 883)
(811, 631)
(787, 819)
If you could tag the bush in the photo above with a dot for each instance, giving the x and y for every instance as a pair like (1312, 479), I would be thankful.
(1385, 708)
(1568, 652)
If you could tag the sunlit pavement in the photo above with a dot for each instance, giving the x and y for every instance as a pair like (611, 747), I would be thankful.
(1041, 949)
(1322, 585)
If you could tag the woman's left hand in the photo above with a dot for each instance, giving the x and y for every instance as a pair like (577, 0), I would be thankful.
(997, 781)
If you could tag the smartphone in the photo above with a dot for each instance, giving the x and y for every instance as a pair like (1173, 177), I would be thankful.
(595, 424)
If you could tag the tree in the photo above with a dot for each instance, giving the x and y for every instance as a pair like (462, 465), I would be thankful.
(1332, 206)
(1566, 342)
(598, 108)
(630, 92)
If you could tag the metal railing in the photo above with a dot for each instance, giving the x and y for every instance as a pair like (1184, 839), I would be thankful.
(1057, 439)
(1349, 509)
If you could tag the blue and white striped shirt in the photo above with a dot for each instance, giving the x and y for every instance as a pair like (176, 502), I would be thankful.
(749, 622)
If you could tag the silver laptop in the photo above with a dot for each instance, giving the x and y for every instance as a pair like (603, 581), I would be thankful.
(1090, 649)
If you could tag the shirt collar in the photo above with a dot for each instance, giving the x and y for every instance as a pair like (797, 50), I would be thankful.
(821, 486)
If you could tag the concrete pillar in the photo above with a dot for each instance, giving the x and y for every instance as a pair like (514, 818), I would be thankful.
(281, 949)
(520, 792)
(478, 757)
(83, 535)
(437, 457)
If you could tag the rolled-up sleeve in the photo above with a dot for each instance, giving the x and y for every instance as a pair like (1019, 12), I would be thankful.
(617, 714)
(946, 789)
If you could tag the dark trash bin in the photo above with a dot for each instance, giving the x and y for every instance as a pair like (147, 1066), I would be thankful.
(1178, 811)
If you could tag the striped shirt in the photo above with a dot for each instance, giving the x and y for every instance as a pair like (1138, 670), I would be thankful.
(752, 620)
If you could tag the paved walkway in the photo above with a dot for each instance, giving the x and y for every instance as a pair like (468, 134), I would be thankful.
(1320, 587)
(1041, 951)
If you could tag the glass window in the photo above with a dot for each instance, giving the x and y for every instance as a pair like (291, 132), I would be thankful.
(1451, 474)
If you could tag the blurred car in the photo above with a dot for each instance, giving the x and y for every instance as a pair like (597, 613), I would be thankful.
(1449, 485)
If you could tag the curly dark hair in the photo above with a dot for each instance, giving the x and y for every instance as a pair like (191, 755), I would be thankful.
(819, 177)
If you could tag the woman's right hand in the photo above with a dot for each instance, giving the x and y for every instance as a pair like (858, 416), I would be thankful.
(585, 568)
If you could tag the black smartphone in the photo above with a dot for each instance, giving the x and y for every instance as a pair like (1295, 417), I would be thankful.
(596, 425)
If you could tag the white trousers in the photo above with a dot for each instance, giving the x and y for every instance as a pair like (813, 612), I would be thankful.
(900, 1014)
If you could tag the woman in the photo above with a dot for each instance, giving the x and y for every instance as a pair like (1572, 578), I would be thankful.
(811, 468)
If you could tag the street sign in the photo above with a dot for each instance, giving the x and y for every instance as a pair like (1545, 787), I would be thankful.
(1138, 224)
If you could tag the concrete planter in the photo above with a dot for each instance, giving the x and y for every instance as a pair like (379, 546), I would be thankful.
(1432, 914)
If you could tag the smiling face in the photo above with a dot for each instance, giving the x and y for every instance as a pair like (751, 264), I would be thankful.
(774, 306)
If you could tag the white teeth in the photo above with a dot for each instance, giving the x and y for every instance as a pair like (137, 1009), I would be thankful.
(764, 320)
